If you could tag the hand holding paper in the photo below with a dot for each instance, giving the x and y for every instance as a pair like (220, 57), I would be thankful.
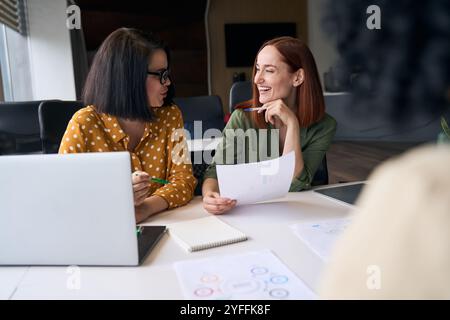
(250, 183)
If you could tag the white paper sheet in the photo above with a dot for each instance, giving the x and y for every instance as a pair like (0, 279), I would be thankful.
(253, 275)
(321, 236)
(250, 183)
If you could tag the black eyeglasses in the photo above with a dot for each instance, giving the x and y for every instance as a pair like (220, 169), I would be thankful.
(163, 75)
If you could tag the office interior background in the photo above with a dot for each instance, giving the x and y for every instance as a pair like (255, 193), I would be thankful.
(43, 60)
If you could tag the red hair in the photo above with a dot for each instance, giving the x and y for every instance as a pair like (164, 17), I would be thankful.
(311, 105)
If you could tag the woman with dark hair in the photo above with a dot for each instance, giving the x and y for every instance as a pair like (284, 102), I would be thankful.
(288, 105)
(128, 93)
(398, 244)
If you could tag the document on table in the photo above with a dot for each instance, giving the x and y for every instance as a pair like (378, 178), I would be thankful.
(321, 236)
(250, 183)
(252, 275)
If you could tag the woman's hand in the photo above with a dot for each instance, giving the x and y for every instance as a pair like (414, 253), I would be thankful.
(141, 212)
(149, 207)
(215, 204)
(141, 186)
(275, 110)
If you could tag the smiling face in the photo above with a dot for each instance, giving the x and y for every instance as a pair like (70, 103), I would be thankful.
(273, 77)
(157, 92)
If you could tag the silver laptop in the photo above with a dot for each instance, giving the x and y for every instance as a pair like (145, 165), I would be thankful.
(72, 209)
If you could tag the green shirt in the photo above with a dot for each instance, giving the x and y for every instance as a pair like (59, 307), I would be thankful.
(262, 144)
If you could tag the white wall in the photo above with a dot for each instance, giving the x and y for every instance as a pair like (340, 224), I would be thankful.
(20, 88)
(320, 44)
(50, 51)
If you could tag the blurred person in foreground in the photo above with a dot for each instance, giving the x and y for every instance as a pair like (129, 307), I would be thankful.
(398, 245)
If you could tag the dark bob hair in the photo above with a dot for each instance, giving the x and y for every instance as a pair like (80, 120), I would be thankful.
(116, 83)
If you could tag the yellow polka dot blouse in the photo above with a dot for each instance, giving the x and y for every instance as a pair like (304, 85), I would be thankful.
(162, 151)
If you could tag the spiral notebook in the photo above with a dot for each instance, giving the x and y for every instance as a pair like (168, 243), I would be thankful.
(204, 233)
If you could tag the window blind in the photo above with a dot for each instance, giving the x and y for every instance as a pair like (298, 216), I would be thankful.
(11, 14)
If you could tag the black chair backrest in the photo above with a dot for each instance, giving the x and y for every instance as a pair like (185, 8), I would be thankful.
(321, 175)
(240, 91)
(19, 128)
(207, 109)
(53, 119)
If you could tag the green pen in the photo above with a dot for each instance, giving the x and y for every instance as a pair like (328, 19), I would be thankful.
(138, 230)
(161, 181)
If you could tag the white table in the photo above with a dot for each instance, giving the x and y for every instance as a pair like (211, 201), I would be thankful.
(267, 226)
(10, 278)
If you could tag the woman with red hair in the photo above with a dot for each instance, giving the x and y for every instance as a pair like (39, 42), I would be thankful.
(288, 103)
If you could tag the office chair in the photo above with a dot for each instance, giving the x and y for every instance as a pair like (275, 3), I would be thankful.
(54, 116)
(19, 128)
(207, 109)
(240, 91)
